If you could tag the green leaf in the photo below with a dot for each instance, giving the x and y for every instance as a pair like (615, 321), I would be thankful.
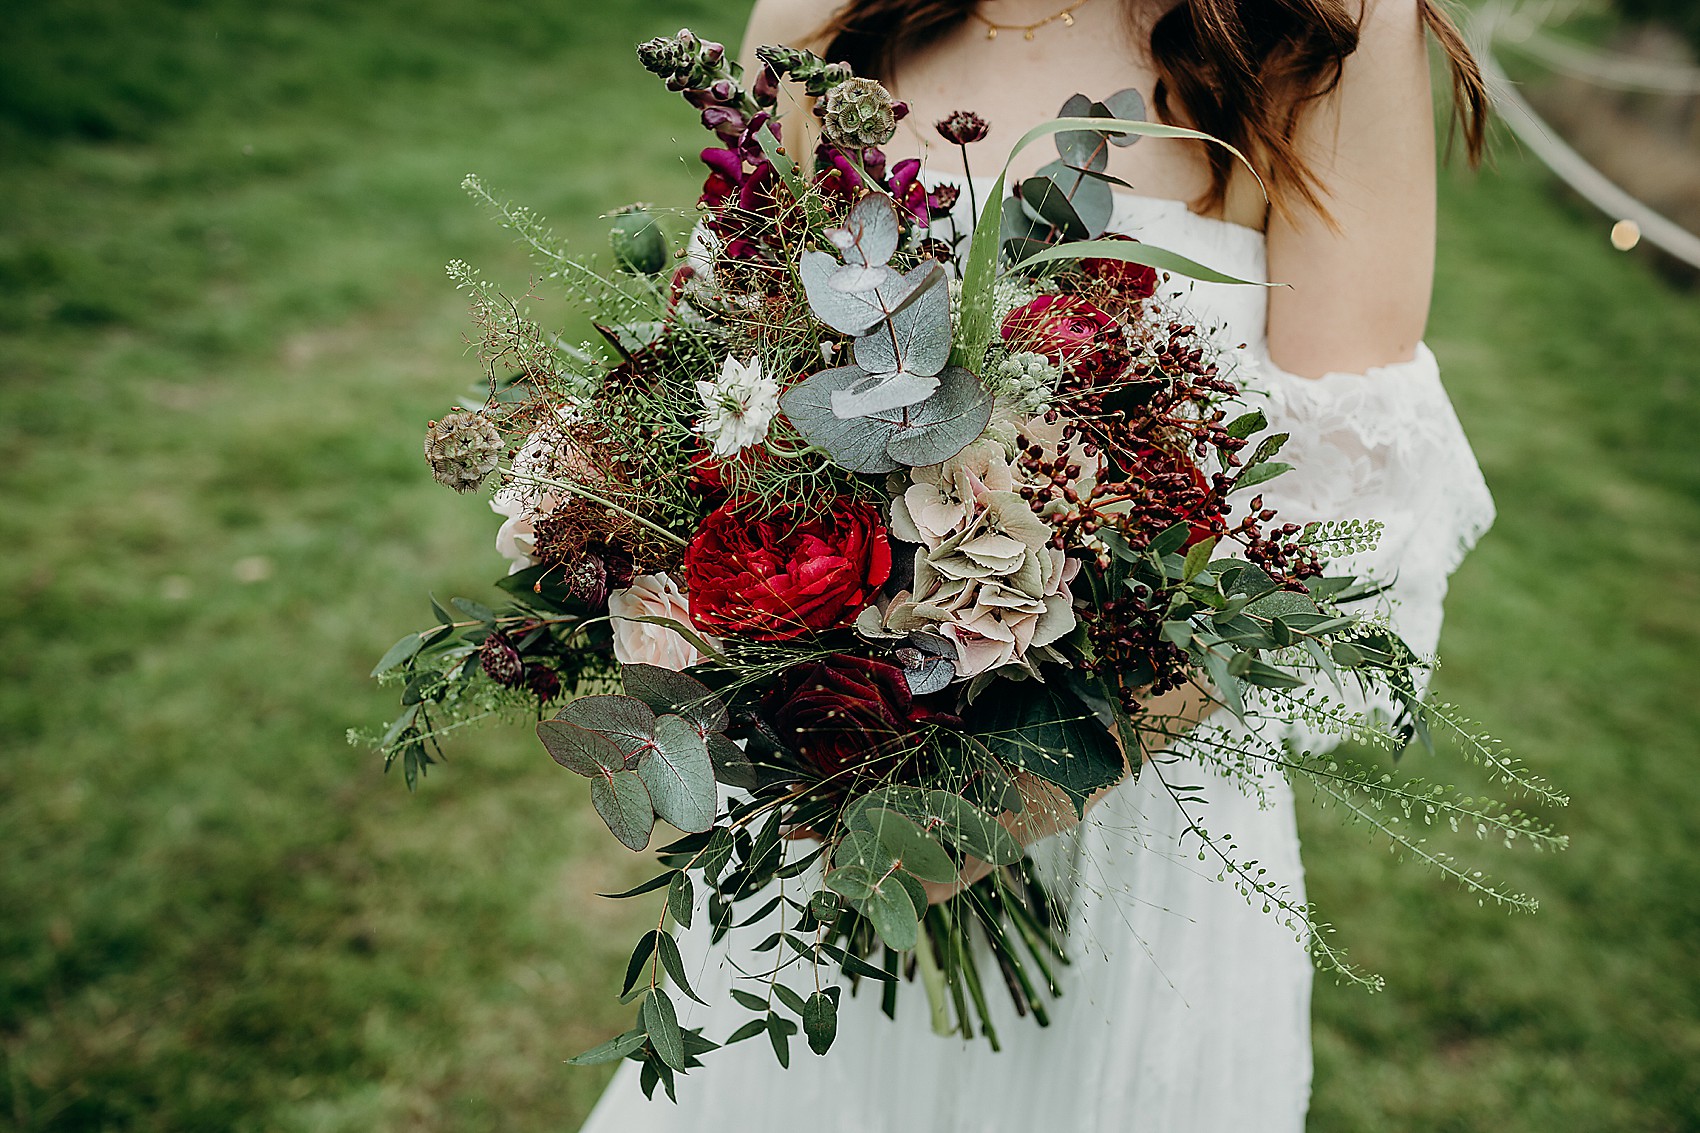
(1258, 473)
(1282, 604)
(661, 1022)
(680, 898)
(640, 956)
(626, 720)
(779, 1032)
(892, 914)
(911, 846)
(1246, 424)
(820, 1021)
(679, 693)
(580, 750)
(477, 611)
(679, 775)
(856, 966)
(862, 847)
(1197, 558)
(1133, 252)
(611, 1051)
(788, 997)
(402, 650)
(749, 1000)
(1170, 539)
(675, 965)
(854, 883)
(1051, 734)
(649, 886)
(623, 802)
(749, 1030)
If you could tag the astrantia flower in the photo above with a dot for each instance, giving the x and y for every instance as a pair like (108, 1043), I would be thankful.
(961, 127)
(740, 406)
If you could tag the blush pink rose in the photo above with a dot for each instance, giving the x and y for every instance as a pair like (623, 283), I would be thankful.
(646, 643)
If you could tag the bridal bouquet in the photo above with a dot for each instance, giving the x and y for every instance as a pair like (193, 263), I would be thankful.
(857, 541)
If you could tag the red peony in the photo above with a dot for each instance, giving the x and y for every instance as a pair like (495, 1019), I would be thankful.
(1130, 281)
(774, 578)
(845, 713)
(1085, 341)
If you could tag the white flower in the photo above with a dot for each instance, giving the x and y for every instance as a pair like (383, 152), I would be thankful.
(740, 406)
(646, 643)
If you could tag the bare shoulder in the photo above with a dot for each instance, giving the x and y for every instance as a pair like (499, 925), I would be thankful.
(794, 23)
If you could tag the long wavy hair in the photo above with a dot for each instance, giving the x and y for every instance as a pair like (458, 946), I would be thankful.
(1243, 70)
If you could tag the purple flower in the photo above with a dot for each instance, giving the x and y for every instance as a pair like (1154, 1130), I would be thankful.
(905, 186)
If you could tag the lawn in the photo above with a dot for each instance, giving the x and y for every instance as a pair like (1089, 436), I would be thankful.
(223, 322)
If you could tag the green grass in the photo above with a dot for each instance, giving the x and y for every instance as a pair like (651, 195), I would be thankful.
(222, 324)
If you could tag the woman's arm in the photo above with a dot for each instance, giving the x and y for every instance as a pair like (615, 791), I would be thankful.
(1359, 288)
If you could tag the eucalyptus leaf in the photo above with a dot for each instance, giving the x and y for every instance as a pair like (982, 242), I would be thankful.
(820, 1021)
(945, 424)
(1124, 104)
(678, 774)
(913, 849)
(1044, 199)
(879, 394)
(681, 898)
(914, 340)
(1085, 147)
(611, 1051)
(1090, 197)
(623, 802)
(675, 965)
(626, 720)
(580, 750)
(893, 914)
(848, 312)
(858, 444)
(661, 1022)
(870, 233)
(1258, 473)
(680, 693)
(401, 651)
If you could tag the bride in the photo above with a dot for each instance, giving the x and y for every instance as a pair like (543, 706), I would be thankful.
(1186, 1008)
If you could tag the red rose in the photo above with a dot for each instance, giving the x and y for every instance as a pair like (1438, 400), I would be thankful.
(1129, 280)
(1084, 341)
(774, 578)
(845, 713)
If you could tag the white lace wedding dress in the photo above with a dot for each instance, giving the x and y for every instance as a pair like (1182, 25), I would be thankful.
(1186, 1008)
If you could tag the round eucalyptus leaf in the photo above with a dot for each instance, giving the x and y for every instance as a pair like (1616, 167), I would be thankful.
(870, 233)
(944, 424)
(912, 847)
(1047, 201)
(623, 802)
(857, 444)
(626, 720)
(666, 691)
(820, 1021)
(1128, 105)
(579, 750)
(1092, 198)
(893, 914)
(854, 883)
(679, 775)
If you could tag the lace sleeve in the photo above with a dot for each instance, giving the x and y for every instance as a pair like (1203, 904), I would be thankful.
(1383, 445)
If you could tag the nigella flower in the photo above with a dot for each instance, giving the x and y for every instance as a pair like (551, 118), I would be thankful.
(740, 406)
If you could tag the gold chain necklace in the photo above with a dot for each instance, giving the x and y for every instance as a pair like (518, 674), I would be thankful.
(1027, 30)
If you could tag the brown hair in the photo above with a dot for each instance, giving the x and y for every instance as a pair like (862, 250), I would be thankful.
(1241, 70)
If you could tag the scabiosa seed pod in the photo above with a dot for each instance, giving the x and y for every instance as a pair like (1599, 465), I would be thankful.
(961, 127)
(463, 448)
(858, 112)
(501, 661)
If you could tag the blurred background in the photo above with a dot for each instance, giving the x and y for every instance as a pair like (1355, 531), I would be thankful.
(223, 324)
